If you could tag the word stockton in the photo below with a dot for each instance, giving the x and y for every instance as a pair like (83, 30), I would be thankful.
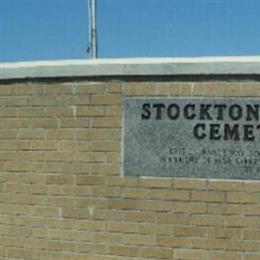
(213, 119)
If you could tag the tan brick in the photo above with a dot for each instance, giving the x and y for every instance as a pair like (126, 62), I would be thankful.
(90, 111)
(157, 253)
(61, 224)
(74, 123)
(31, 178)
(138, 193)
(208, 196)
(31, 112)
(168, 89)
(251, 256)
(114, 87)
(45, 211)
(60, 134)
(9, 112)
(32, 199)
(190, 254)
(90, 225)
(107, 192)
(241, 221)
(196, 89)
(105, 146)
(169, 218)
(8, 90)
(106, 99)
(90, 88)
(76, 190)
(234, 90)
(73, 168)
(60, 246)
(169, 241)
(90, 202)
(113, 111)
(112, 215)
(114, 157)
(74, 100)
(147, 240)
(242, 245)
(224, 233)
(29, 89)
(139, 89)
(91, 248)
(221, 89)
(43, 255)
(124, 250)
(113, 122)
(122, 181)
(98, 134)
(73, 235)
(38, 101)
(207, 220)
(252, 210)
(105, 169)
(59, 157)
(140, 216)
(225, 185)
(59, 89)
(18, 231)
(59, 112)
(93, 157)
(30, 134)
(76, 213)
(90, 180)
(44, 123)
(252, 186)
(17, 166)
(251, 234)
(250, 89)
(17, 145)
(187, 231)
(216, 208)
(232, 209)
(156, 205)
(190, 207)
(218, 255)
(123, 227)
(34, 244)
(19, 253)
(122, 204)
(209, 89)
(109, 238)
(59, 179)
(10, 134)
(160, 229)
(174, 195)
(13, 101)
(242, 197)
(155, 182)
(185, 89)
(209, 244)
(39, 145)
(189, 184)
(15, 123)
(74, 146)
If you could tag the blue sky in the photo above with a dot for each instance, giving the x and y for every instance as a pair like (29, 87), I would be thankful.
(58, 29)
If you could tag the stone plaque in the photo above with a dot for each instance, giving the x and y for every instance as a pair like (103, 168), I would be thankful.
(192, 137)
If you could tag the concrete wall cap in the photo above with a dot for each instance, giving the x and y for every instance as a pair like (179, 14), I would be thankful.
(132, 67)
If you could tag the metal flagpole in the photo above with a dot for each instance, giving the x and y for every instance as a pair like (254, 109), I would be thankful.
(92, 44)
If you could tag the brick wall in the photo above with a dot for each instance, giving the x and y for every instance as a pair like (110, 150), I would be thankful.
(62, 195)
